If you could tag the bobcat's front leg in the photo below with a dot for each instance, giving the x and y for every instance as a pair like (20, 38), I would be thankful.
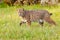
(29, 23)
(23, 21)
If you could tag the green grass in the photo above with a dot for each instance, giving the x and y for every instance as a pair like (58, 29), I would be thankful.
(11, 30)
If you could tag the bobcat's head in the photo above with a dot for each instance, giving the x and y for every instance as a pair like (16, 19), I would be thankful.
(21, 12)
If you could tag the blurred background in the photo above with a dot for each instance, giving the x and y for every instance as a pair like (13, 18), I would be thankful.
(30, 2)
(9, 20)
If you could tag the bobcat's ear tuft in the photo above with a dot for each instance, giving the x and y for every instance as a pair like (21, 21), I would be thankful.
(50, 13)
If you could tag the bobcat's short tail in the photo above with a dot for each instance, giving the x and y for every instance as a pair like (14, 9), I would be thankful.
(49, 20)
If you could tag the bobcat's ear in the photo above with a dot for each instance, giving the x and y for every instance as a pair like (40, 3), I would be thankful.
(50, 13)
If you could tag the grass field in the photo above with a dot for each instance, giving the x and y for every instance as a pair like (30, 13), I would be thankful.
(11, 30)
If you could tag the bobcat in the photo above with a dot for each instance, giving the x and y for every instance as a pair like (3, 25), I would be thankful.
(35, 16)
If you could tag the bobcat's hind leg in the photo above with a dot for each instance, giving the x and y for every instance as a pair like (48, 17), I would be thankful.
(41, 22)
